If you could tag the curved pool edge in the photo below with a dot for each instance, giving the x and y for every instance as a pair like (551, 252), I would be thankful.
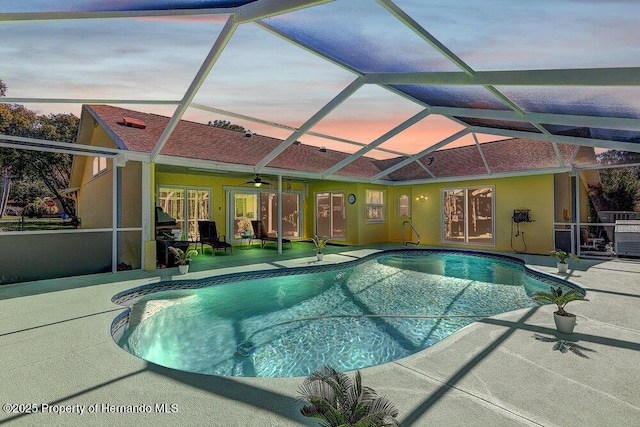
(127, 297)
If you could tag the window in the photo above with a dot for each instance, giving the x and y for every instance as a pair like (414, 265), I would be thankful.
(468, 215)
(187, 205)
(374, 210)
(99, 165)
(404, 205)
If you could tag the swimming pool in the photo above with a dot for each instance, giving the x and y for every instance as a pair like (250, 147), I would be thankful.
(287, 323)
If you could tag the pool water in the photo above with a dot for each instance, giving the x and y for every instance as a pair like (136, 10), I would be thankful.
(374, 312)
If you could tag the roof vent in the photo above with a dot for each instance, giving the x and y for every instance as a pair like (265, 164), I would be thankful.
(323, 149)
(133, 123)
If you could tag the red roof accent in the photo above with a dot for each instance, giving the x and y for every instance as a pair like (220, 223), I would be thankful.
(133, 123)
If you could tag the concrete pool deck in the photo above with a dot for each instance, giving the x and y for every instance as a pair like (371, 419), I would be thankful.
(512, 369)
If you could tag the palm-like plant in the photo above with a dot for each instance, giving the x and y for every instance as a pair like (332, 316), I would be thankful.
(182, 257)
(562, 255)
(338, 401)
(559, 298)
(320, 243)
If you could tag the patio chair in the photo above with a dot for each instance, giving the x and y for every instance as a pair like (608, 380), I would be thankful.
(208, 235)
(259, 233)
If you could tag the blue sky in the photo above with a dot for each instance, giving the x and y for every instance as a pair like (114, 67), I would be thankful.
(261, 75)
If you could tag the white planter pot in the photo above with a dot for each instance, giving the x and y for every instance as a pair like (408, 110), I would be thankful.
(562, 267)
(319, 256)
(184, 269)
(565, 324)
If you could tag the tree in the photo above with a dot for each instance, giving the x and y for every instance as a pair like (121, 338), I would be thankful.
(338, 401)
(620, 187)
(51, 168)
(225, 124)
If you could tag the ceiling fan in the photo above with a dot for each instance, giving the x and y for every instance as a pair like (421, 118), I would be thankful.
(257, 181)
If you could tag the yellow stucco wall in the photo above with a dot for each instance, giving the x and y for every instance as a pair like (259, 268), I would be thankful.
(95, 194)
(529, 192)
(562, 199)
(95, 199)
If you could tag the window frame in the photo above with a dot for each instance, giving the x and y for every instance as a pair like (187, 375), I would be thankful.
(99, 166)
(371, 207)
(400, 206)
(332, 196)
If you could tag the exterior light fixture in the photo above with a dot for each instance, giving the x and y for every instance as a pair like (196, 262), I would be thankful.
(422, 198)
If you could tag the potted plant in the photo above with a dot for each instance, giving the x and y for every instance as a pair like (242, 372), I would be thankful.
(320, 243)
(182, 258)
(339, 401)
(565, 321)
(562, 259)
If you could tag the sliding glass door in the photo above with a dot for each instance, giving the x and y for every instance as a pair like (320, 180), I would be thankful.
(248, 205)
(331, 219)
(467, 215)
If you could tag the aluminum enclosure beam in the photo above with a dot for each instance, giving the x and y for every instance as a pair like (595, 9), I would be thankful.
(544, 118)
(323, 112)
(629, 76)
(215, 52)
(415, 157)
(393, 132)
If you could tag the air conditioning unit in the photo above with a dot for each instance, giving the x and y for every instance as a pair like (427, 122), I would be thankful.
(628, 237)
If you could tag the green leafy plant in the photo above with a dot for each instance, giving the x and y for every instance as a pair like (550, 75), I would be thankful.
(562, 255)
(182, 257)
(339, 401)
(560, 298)
(36, 209)
(320, 243)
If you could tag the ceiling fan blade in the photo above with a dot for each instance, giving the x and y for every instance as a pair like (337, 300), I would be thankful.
(257, 181)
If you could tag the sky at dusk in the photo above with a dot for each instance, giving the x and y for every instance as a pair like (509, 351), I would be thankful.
(262, 75)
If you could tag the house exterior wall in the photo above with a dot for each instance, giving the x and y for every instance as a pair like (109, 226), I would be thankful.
(562, 198)
(95, 194)
(95, 199)
(528, 192)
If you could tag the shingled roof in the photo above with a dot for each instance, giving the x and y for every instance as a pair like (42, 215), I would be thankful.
(200, 141)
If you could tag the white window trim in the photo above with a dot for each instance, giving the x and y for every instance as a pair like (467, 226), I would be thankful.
(99, 165)
(381, 205)
(466, 241)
